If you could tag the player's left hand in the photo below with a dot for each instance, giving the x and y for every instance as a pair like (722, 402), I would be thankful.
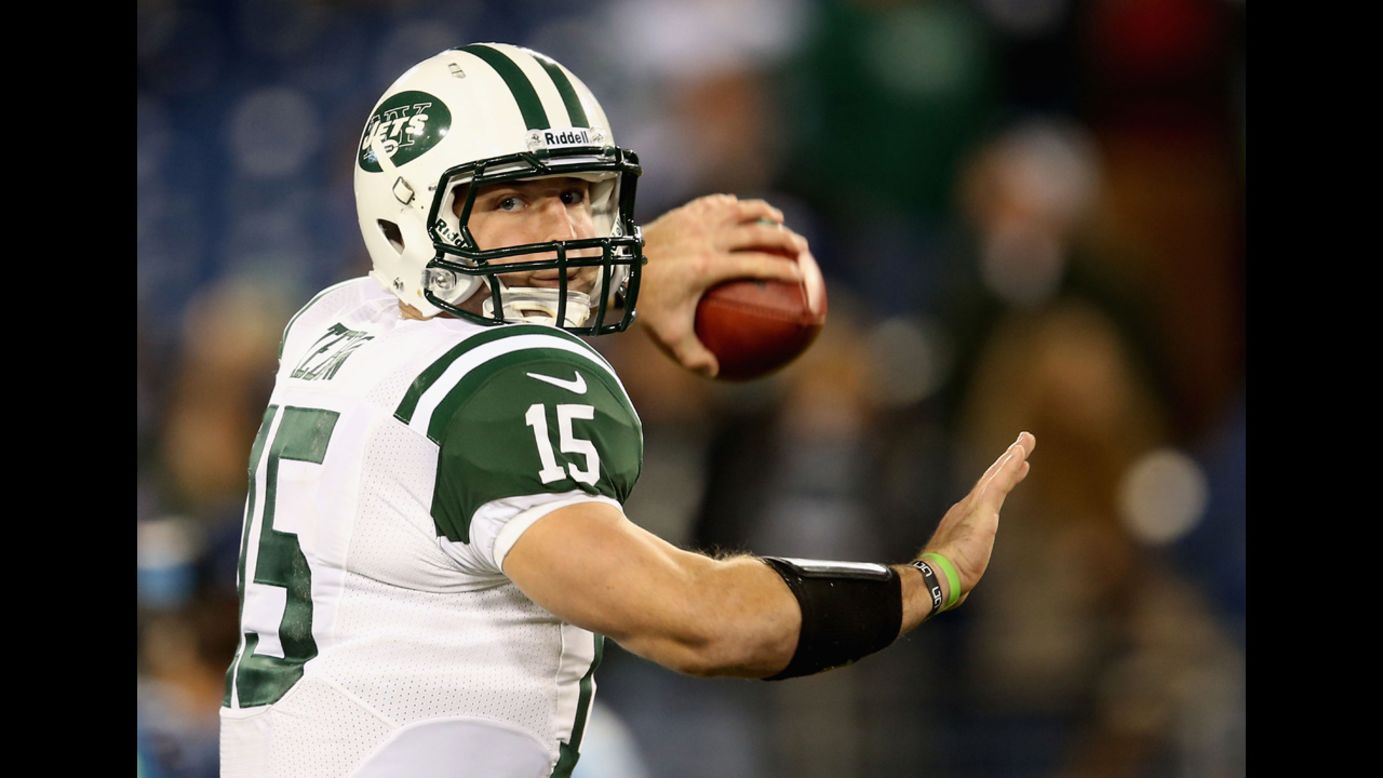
(698, 245)
(966, 533)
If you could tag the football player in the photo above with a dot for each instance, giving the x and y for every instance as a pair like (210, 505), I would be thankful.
(434, 540)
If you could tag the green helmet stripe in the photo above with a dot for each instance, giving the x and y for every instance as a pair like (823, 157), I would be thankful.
(522, 89)
(570, 99)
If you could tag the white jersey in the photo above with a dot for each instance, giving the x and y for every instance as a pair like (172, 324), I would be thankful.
(396, 465)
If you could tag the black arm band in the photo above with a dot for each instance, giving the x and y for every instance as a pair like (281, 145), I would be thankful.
(849, 610)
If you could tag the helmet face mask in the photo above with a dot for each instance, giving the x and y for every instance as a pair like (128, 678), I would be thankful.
(615, 254)
(414, 161)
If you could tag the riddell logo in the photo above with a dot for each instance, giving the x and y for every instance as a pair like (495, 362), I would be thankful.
(567, 138)
(405, 126)
(445, 231)
(564, 136)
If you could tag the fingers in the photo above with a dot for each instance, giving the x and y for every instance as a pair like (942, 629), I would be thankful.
(812, 281)
(991, 470)
(1010, 469)
(742, 238)
(752, 210)
(1009, 476)
(1025, 441)
(753, 264)
(737, 210)
(1028, 441)
(751, 254)
(758, 235)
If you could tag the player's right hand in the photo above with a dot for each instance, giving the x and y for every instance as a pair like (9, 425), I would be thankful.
(966, 533)
(693, 247)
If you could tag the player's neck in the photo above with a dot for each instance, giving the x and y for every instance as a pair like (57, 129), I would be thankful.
(409, 312)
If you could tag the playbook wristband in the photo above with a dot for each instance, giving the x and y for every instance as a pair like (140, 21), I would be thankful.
(933, 587)
(849, 610)
(952, 577)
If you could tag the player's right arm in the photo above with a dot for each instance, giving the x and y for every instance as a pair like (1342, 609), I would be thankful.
(589, 565)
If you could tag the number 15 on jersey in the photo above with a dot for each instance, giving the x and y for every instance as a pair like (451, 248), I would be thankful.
(276, 606)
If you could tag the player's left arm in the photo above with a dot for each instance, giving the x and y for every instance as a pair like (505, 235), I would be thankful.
(589, 565)
(698, 245)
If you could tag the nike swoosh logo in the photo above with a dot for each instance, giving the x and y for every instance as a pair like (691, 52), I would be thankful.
(577, 385)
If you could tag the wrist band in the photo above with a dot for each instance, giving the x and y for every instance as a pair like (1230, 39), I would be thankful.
(952, 577)
(933, 587)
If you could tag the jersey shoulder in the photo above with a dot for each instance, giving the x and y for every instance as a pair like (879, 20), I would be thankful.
(336, 301)
(473, 372)
(353, 337)
(523, 410)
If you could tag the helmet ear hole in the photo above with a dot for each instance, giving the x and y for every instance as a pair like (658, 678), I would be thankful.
(391, 233)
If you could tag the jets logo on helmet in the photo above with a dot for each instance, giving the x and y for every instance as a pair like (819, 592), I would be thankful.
(515, 115)
(407, 124)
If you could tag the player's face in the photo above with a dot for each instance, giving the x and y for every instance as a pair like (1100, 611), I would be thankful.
(520, 212)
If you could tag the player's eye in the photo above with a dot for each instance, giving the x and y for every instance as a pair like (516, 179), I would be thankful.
(511, 203)
(573, 196)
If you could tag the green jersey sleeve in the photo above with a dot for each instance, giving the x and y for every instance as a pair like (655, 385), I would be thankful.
(532, 422)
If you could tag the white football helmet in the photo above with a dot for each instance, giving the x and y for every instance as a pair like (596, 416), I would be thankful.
(480, 114)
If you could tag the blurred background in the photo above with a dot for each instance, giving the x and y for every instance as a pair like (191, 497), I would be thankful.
(1031, 216)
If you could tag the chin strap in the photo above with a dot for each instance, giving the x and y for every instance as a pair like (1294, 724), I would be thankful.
(539, 305)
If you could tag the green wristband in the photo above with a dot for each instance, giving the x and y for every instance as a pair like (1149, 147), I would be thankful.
(952, 577)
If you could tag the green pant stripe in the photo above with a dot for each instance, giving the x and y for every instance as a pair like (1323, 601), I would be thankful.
(570, 99)
(534, 115)
(569, 752)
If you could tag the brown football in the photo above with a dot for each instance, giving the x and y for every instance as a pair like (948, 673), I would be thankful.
(755, 327)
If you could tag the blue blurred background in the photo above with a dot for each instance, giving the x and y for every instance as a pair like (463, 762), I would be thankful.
(1031, 216)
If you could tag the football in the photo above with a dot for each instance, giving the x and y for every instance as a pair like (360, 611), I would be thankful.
(755, 327)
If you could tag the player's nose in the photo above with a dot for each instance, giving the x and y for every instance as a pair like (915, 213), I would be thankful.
(558, 222)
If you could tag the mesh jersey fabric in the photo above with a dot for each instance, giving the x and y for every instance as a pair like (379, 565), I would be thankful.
(394, 470)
